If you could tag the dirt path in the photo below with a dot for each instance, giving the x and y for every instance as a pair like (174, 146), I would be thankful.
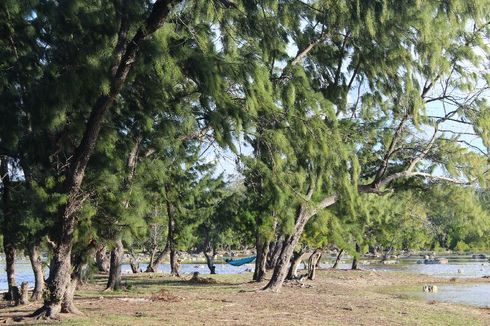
(335, 298)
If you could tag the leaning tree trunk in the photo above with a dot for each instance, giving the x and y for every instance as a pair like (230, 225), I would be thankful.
(134, 263)
(337, 260)
(7, 225)
(152, 259)
(274, 254)
(37, 268)
(318, 261)
(80, 265)
(210, 261)
(295, 262)
(209, 257)
(101, 259)
(68, 305)
(114, 280)
(60, 272)
(312, 263)
(355, 260)
(262, 247)
(125, 56)
(282, 265)
(153, 265)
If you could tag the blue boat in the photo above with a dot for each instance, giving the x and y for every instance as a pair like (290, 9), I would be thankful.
(240, 261)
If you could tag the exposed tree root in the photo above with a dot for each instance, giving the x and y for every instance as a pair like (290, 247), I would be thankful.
(47, 313)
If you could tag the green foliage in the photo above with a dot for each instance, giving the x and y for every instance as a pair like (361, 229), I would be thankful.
(336, 99)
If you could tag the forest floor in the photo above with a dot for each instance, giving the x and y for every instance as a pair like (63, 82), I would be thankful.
(335, 297)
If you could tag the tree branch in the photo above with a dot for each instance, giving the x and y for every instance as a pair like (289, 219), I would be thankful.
(158, 15)
(384, 166)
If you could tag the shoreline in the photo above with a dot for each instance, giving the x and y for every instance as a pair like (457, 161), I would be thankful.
(334, 297)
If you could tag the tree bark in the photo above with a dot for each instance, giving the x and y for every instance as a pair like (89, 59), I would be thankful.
(68, 305)
(337, 260)
(134, 263)
(24, 293)
(210, 262)
(281, 268)
(152, 259)
(60, 274)
(318, 261)
(312, 263)
(274, 254)
(295, 262)
(209, 257)
(114, 280)
(153, 265)
(355, 260)
(80, 264)
(20, 296)
(174, 263)
(101, 259)
(37, 268)
(8, 236)
(262, 247)
(9, 250)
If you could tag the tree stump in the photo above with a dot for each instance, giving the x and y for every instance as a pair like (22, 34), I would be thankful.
(24, 293)
(20, 296)
(15, 297)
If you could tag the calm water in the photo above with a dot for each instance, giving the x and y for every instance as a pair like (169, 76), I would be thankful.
(201, 268)
(474, 294)
(23, 271)
(477, 294)
(455, 268)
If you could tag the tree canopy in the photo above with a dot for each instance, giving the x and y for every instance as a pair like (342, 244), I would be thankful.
(351, 123)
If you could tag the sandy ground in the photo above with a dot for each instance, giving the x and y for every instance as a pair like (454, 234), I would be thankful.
(336, 297)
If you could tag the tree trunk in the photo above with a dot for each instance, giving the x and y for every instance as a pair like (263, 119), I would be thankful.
(274, 254)
(9, 250)
(152, 259)
(318, 261)
(373, 250)
(174, 263)
(312, 263)
(20, 296)
(80, 265)
(153, 265)
(24, 293)
(210, 262)
(114, 280)
(68, 305)
(281, 268)
(101, 259)
(209, 257)
(37, 268)
(355, 260)
(134, 263)
(7, 228)
(60, 275)
(135, 266)
(337, 260)
(387, 253)
(296, 261)
(262, 247)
